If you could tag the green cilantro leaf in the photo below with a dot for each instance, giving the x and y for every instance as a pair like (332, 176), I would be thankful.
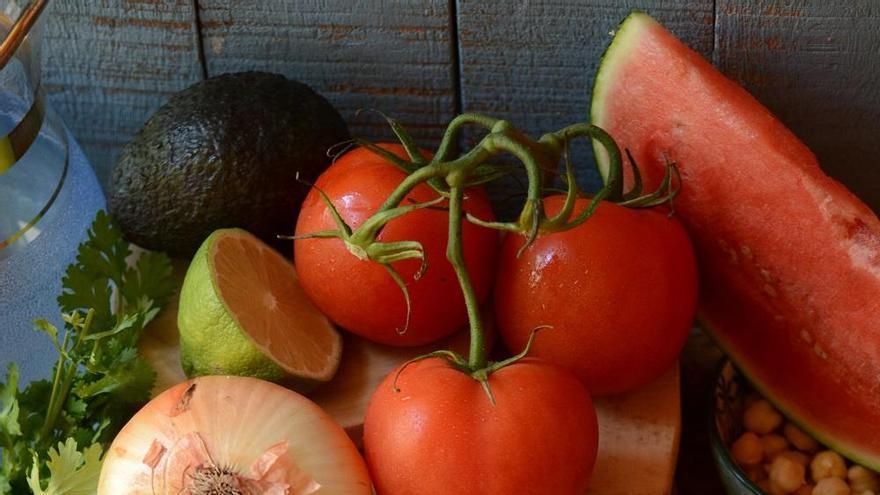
(71, 472)
(150, 278)
(82, 290)
(99, 268)
(130, 382)
(105, 252)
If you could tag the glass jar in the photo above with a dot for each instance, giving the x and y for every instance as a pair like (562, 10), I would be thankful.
(48, 195)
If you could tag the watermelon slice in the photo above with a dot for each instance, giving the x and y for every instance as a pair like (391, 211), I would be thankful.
(789, 259)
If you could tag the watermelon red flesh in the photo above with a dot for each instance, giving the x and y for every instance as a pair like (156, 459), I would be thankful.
(789, 259)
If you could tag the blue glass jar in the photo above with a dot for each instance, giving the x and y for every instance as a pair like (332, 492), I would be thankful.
(48, 196)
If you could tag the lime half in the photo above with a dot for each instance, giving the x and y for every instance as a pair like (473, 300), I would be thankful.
(243, 312)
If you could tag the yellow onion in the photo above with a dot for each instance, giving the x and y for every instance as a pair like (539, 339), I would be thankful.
(224, 435)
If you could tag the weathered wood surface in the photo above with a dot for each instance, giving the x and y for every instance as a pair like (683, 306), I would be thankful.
(533, 62)
(389, 56)
(108, 64)
(815, 64)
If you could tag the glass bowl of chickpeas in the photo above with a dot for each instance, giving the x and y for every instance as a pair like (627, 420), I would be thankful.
(759, 452)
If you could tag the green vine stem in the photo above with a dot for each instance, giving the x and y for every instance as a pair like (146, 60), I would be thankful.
(450, 176)
(477, 358)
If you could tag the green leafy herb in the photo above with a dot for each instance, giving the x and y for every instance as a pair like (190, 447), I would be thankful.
(71, 472)
(99, 379)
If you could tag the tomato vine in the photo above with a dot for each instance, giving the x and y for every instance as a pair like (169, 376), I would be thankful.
(451, 175)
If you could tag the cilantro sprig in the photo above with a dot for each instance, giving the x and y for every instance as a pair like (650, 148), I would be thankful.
(53, 432)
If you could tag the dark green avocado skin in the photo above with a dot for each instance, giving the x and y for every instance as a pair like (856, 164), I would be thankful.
(224, 152)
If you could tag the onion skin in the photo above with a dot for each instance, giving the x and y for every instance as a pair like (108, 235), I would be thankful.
(241, 422)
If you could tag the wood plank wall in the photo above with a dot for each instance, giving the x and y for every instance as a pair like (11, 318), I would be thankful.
(385, 55)
(110, 63)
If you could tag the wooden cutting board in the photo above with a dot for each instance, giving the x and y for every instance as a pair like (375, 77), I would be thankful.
(638, 432)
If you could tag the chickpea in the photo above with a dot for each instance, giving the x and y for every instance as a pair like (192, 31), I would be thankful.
(868, 492)
(831, 486)
(787, 474)
(827, 464)
(799, 439)
(862, 479)
(747, 449)
(797, 456)
(804, 490)
(773, 445)
(761, 417)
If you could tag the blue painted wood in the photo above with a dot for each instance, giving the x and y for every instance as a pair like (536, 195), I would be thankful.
(816, 65)
(391, 56)
(108, 64)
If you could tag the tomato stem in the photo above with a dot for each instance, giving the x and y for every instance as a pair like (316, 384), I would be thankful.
(412, 180)
(477, 357)
(521, 148)
(453, 130)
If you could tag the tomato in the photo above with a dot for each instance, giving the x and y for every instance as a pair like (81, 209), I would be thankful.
(619, 291)
(440, 434)
(360, 295)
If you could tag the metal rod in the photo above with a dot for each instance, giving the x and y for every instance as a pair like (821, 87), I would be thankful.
(20, 29)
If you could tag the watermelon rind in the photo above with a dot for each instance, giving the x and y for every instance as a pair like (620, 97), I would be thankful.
(625, 38)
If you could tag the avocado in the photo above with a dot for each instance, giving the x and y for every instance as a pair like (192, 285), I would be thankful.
(225, 152)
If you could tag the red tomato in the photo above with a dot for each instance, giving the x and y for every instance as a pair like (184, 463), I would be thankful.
(440, 434)
(360, 295)
(619, 290)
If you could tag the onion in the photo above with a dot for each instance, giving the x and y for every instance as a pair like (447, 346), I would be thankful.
(232, 436)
